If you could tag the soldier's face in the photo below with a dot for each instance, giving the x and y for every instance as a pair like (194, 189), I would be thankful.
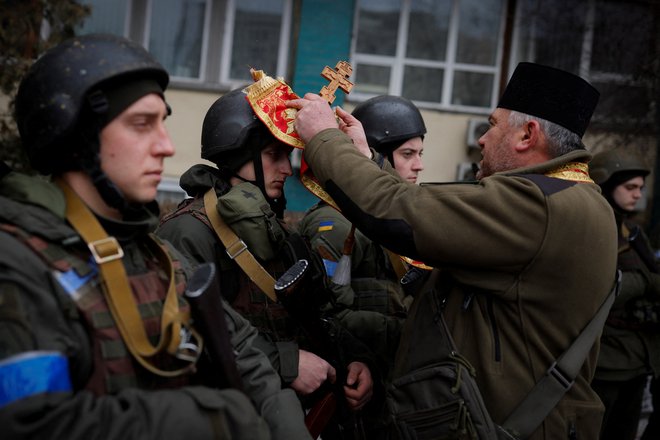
(408, 159)
(497, 145)
(276, 167)
(627, 194)
(134, 146)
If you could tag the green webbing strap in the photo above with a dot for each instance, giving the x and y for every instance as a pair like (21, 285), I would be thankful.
(559, 378)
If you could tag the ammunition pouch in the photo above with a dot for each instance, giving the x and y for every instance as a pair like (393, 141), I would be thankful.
(248, 214)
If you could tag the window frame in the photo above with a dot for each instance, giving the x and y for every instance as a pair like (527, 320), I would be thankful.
(217, 42)
(203, 55)
(228, 46)
(450, 66)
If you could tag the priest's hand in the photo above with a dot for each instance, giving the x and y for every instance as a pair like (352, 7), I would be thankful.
(314, 115)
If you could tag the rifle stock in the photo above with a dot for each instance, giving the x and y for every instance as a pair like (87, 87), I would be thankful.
(320, 414)
(208, 313)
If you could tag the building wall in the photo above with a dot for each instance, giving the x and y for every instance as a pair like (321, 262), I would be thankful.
(185, 127)
(444, 145)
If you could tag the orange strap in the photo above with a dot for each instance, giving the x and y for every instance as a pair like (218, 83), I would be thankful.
(108, 255)
(237, 249)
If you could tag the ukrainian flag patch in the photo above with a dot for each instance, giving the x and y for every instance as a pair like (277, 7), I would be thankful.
(326, 226)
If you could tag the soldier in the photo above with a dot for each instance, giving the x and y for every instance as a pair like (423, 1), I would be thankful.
(246, 189)
(514, 283)
(95, 340)
(394, 127)
(629, 345)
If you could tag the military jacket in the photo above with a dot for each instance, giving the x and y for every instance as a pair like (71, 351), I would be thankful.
(42, 327)
(190, 232)
(374, 307)
(374, 281)
(628, 349)
(189, 229)
(532, 253)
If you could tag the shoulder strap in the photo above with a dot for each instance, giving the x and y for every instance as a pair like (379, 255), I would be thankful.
(559, 378)
(108, 255)
(237, 249)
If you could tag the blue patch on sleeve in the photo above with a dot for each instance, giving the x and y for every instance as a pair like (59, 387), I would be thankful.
(31, 373)
(71, 281)
(330, 267)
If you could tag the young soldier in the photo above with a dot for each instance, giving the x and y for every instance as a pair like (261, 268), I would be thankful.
(246, 190)
(96, 341)
(629, 345)
(394, 127)
(515, 285)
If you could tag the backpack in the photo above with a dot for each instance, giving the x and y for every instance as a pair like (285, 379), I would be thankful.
(434, 394)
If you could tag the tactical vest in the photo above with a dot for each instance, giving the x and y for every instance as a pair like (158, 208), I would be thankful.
(374, 283)
(269, 317)
(113, 366)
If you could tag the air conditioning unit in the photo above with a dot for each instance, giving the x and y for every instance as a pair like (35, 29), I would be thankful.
(476, 128)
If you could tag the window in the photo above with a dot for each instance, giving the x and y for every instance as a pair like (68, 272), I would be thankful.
(257, 38)
(610, 43)
(176, 35)
(440, 53)
(106, 17)
(206, 42)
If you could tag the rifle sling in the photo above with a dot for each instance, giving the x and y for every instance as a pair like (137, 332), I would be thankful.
(118, 293)
(559, 378)
(237, 249)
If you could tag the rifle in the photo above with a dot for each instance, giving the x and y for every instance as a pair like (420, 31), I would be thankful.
(208, 313)
(323, 334)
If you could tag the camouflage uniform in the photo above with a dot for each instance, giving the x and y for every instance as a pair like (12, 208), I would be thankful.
(44, 265)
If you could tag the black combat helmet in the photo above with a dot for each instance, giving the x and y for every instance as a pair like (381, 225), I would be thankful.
(606, 164)
(231, 130)
(389, 121)
(54, 95)
(233, 135)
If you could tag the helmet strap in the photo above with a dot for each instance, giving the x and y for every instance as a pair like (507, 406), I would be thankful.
(277, 205)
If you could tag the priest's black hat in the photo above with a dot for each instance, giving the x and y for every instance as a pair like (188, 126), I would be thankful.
(551, 94)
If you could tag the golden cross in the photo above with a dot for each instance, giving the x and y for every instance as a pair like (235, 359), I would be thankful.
(338, 78)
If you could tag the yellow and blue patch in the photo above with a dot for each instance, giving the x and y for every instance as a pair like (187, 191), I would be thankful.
(326, 225)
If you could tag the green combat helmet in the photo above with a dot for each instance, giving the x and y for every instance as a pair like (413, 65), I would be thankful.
(606, 164)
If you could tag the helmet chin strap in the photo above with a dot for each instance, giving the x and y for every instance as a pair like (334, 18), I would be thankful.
(277, 205)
